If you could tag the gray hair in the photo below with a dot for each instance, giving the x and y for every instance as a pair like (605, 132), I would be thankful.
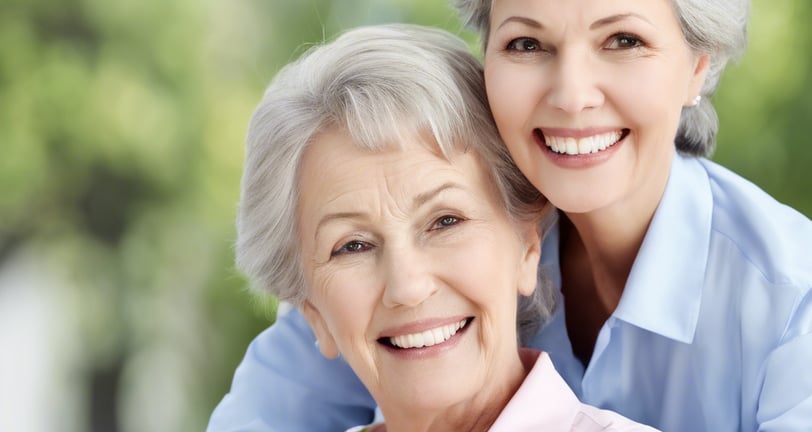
(715, 27)
(379, 84)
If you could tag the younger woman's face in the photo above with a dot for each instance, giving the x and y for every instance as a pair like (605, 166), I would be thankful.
(587, 95)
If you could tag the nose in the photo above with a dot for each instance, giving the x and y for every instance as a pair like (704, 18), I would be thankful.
(573, 84)
(409, 277)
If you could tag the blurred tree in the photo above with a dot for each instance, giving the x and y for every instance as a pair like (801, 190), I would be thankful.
(120, 160)
(764, 104)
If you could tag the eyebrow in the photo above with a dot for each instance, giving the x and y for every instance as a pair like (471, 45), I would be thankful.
(418, 201)
(425, 197)
(522, 20)
(599, 23)
(615, 18)
(330, 217)
(338, 216)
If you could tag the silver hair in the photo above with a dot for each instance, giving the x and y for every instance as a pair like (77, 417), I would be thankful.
(380, 84)
(715, 27)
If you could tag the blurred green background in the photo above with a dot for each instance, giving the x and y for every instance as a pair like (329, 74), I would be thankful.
(121, 129)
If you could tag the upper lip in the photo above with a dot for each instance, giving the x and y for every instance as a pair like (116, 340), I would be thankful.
(576, 133)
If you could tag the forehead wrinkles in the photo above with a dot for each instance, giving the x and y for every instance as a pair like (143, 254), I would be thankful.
(570, 18)
(404, 179)
(385, 183)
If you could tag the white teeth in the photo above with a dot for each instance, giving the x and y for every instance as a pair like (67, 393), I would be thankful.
(429, 337)
(574, 146)
(585, 145)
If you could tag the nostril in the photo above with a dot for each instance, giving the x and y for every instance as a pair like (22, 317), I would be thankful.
(409, 291)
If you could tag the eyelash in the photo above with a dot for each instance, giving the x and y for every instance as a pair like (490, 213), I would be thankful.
(635, 41)
(512, 45)
(345, 248)
(441, 223)
(533, 45)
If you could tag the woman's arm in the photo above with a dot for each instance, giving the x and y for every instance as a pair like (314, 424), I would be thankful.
(785, 402)
(284, 384)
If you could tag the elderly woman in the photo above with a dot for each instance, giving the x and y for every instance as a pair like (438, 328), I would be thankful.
(378, 198)
(683, 290)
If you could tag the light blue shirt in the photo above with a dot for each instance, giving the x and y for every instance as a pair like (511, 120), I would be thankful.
(713, 331)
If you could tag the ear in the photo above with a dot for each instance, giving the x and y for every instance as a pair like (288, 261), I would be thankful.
(327, 345)
(528, 267)
(701, 68)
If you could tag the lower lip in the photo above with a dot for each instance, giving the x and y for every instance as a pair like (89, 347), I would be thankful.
(578, 161)
(431, 351)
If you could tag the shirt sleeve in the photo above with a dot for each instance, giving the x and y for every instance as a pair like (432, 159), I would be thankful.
(284, 384)
(785, 403)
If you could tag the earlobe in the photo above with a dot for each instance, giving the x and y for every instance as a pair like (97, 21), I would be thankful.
(528, 269)
(700, 72)
(326, 343)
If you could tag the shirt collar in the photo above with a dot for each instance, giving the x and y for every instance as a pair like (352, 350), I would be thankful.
(542, 402)
(664, 289)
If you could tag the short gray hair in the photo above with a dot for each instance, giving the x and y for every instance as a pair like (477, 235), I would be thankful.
(715, 27)
(378, 83)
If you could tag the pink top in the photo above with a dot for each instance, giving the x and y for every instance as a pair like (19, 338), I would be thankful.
(544, 402)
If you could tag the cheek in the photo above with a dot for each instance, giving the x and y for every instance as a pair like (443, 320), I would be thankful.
(347, 300)
(510, 99)
(513, 107)
(649, 95)
(483, 271)
(487, 280)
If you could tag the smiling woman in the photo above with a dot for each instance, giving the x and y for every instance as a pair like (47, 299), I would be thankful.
(413, 268)
(598, 107)
(413, 234)
(684, 292)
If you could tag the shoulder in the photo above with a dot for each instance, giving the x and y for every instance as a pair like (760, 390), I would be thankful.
(750, 226)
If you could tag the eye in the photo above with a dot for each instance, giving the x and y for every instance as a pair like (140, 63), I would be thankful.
(622, 41)
(445, 222)
(351, 247)
(523, 44)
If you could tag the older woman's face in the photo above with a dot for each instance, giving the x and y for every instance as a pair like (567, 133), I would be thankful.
(413, 269)
(588, 93)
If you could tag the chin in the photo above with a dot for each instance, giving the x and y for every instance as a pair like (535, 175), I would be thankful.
(579, 200)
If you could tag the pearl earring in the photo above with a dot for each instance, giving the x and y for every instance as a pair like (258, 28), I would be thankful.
(696, 100)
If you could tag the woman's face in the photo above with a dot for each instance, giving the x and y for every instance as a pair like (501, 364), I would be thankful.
(413, 269)
(587, 95)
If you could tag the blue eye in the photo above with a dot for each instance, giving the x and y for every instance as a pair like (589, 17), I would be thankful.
(445, 221)
(351, 247)
(523, 44)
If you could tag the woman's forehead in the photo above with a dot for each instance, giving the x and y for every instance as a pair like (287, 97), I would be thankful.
(336, 142)
(334, 165)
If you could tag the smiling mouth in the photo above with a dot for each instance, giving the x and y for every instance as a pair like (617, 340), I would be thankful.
(581, 146)
(426, 338)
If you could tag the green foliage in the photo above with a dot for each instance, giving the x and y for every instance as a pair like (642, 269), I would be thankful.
(764, 104)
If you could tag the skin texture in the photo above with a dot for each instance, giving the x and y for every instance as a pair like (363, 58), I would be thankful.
(403, 240)
(582, 68)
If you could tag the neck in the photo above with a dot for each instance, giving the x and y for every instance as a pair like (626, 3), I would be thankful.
(598, 250)
(476, 414)
(606, 241)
